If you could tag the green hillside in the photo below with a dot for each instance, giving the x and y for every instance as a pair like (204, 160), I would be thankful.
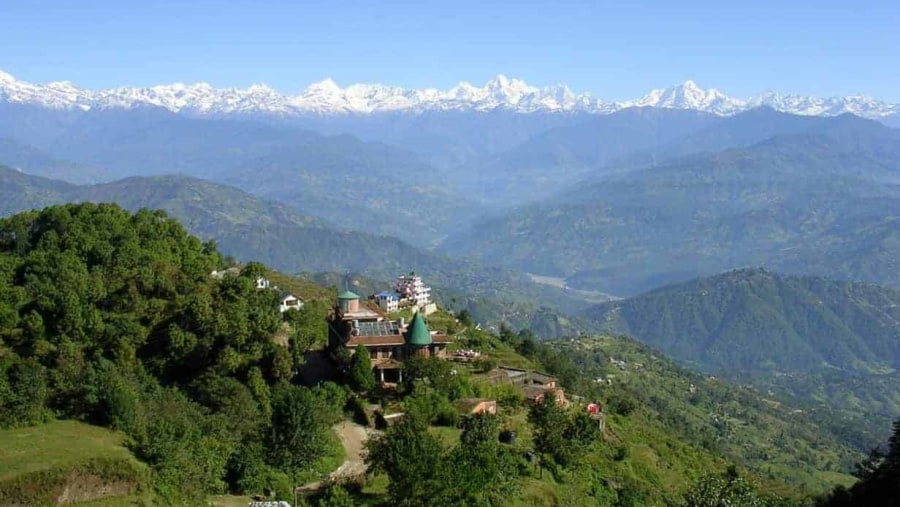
(113, 318)
(755, 320)
(67, 460)
(823, 203)
(254, 229)
(767, 435)
(20, 191)
(832, 344)
(666, 430)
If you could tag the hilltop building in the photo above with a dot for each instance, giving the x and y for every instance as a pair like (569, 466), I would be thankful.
(352, 324)
(412, 290)
(388, 301)
(288, 301)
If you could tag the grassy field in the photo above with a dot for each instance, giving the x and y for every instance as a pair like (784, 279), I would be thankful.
(85, 464)
(56, 444)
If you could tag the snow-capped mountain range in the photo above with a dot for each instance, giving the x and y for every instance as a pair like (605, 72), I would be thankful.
(500, 93)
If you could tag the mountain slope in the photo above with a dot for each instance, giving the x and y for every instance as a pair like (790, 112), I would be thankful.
(738, 131)
(358, 185)
(556, 159)
(777, 437)
(755, 320)
(822, 203)
(20, 191)
(368, 187)
(35, 161)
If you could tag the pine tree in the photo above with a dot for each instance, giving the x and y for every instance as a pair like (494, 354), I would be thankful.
(361, 377)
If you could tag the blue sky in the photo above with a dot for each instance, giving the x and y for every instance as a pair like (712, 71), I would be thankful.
(615, 50)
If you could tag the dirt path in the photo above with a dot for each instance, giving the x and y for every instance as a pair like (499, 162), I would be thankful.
(352, 436)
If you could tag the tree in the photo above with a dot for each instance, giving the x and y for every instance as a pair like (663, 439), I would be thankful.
(880, 484)
(307, 328)
(299, 428)
(549, 421)
(868, 466)
(361, 376)
(336, 496)
(412, 458)
(465, 318)
(479, 470)
(731, 490)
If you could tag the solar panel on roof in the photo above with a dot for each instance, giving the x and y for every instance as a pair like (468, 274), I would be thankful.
(383, 328)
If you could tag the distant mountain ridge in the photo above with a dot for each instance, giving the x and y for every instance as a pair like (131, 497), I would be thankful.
(755, 320)
(500, 93)
(822, 200)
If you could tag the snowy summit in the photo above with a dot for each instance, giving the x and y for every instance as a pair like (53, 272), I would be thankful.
(501, 94)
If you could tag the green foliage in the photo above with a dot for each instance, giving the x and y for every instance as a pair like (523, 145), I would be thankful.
(188, 456)
(481, 472)
(411, 457)
(766, 435)
(712, 491)
(755, 320)
(307, 328)
(478, 471)
(336, 496)
(23, 393)
(828, 343)
(361, 376)
(101, 308)
(432, 407)
(300, 427)
(441, 376)
(550, 422)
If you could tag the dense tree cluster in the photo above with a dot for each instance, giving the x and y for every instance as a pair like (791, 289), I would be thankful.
(113, 318)
(478, 471)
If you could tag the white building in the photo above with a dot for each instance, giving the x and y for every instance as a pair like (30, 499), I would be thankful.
(411, 288)
(289, 301)
(388, 301)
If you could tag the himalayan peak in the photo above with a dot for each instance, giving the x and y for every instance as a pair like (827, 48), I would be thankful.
(500, 93)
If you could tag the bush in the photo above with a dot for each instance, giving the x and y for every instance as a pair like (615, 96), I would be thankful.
(358, 409)
(336, 496)
(621, 403)
(484, 365)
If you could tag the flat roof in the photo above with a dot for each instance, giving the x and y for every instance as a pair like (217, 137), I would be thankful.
(378, 328)
(362, 313)
(356, 341)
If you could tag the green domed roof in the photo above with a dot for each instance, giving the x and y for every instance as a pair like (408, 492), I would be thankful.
(417, 334)
(348, 295)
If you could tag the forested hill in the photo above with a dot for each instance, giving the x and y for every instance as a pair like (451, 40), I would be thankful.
(822, 203)
(112, 318)
(251, 228)
(754, 320)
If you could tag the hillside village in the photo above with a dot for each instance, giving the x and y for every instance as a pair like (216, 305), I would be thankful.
(355, 322)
